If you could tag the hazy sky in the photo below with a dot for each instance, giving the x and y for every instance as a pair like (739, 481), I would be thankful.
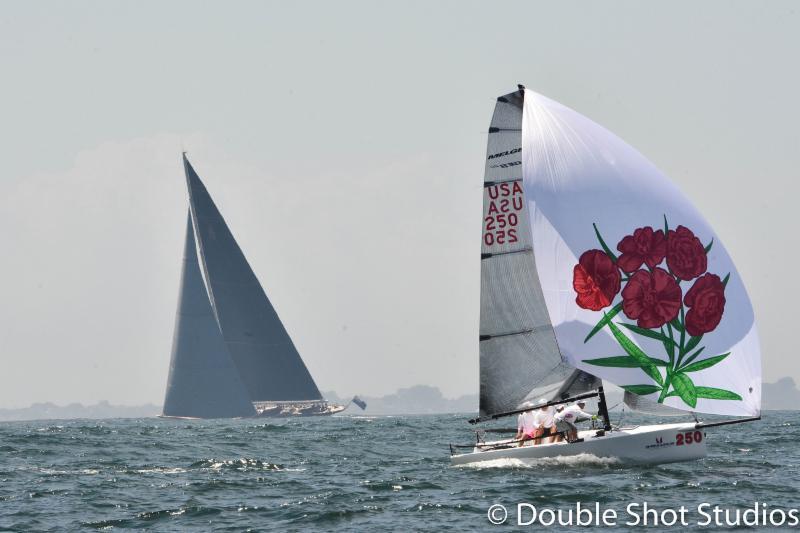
(344, 144)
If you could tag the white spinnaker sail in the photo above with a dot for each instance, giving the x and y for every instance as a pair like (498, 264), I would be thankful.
(613, 237)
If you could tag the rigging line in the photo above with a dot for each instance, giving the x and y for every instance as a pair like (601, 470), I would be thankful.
(520, 251)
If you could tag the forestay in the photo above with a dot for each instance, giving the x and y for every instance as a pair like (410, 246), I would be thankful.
(639, 289)
(519, 357)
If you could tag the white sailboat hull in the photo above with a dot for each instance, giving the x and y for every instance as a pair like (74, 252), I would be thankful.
(299, 408)
(663, 443)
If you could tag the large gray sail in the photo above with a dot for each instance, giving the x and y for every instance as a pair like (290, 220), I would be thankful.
(260, 347)
(203, 381)
(519, 357)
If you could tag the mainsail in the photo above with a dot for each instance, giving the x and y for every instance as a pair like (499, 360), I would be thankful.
(259, 345)
(592, 259)
(203, 381)
(519, 355)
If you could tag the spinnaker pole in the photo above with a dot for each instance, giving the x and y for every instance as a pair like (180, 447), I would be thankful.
(703, 425)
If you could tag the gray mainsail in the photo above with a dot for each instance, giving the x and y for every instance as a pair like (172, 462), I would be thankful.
(260, 347)
(203, 381)
(519, 356)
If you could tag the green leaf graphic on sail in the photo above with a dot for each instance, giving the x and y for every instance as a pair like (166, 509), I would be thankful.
(647, 276)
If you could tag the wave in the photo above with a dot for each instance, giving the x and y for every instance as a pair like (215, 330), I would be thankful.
(241, 465)
(146, 518)
(268, 428)
(160, 470)
(583, 459)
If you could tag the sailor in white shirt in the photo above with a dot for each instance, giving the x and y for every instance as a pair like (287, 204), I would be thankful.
(526, 425)
(545, 423)
(565, 419)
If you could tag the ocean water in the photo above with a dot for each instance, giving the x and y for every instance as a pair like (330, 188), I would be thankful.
(353, 473)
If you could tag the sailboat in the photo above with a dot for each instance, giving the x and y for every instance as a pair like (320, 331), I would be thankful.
(595, 267)
(231, 355)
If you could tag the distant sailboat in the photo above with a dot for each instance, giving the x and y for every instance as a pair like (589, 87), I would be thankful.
(594, 266)
(231, 355)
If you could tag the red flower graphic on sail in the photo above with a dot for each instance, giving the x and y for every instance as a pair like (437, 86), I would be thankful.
(651, 298)
(645, 246)
(596, 279)
(706, 300)
(686, 256)
(656, 263)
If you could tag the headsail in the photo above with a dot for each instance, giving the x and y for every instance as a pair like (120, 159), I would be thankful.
(638, 287)
(519, 356)
(260, 347)
(203, 381)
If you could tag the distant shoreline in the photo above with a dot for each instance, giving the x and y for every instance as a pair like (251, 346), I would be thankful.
(783, 395)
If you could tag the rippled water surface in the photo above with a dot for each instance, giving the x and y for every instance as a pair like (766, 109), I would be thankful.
(347, 473)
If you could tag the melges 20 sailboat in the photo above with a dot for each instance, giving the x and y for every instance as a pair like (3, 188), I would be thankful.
(594, 266)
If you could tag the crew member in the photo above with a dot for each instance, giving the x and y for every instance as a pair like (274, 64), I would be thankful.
(545, 423)
(566, 417)
(526, 424)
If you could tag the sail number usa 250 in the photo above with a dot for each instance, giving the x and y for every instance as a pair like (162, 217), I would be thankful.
(503, 215)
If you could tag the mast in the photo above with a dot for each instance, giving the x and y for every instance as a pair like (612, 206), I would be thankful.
(602, 408)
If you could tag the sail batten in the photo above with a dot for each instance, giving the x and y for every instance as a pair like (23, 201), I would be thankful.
(521, 332)
(495, 254)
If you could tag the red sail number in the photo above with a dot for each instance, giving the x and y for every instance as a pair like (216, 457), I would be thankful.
(503, 215)
(688, 438)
